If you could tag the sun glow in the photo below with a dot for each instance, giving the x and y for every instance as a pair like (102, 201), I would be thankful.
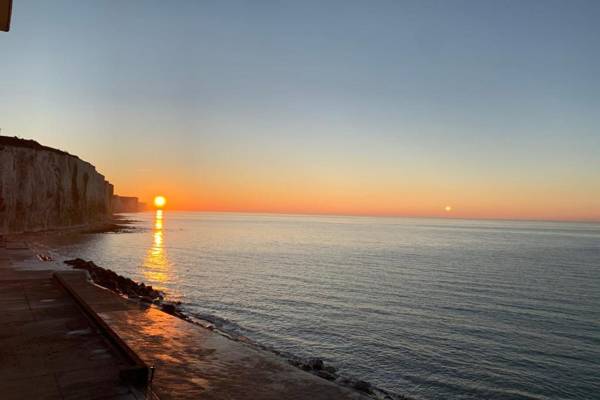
(160, 201)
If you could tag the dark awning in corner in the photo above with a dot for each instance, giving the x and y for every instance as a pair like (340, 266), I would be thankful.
(5, 11)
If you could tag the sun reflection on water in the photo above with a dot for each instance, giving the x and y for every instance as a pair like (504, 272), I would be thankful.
(158, 220)
(156, 263)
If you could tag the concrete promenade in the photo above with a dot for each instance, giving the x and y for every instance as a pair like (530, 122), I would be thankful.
(49, 350)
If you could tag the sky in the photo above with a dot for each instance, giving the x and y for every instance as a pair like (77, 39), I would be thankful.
(468, 109)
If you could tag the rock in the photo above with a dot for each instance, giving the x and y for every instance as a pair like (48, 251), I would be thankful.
(330, 369)
(146, 299)
(131, 294)
(315, 364)
(362, 386)
(107, 284)
(326, 375)
(79, 266)
(305, 367)
(168, 308)
(128, 287)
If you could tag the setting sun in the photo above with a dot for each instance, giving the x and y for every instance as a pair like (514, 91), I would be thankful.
(160, 201)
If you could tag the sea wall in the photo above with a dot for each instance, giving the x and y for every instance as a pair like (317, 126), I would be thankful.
(42, 188)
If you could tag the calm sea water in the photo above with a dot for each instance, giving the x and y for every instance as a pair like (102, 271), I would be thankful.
(429, 308)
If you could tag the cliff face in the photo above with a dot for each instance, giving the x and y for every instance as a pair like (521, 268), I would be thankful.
(43, 188)
(126, 204)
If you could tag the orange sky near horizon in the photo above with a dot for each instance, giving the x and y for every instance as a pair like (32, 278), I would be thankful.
(368, 199)
(255, 175)
(329, 185)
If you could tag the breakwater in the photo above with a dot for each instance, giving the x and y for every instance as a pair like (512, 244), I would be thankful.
(42, 188)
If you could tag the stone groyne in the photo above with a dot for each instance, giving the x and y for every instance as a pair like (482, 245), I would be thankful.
(42, 188)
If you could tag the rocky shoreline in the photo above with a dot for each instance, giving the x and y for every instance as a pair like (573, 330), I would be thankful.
(146, 294)
(128, 287)
(116, 225)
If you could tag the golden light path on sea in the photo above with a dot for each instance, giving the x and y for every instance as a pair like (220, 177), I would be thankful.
(156, 263)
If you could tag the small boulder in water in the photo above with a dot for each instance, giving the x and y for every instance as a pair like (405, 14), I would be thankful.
(315, 364)
(362, 386)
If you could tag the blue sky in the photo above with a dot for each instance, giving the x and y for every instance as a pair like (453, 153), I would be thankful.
(376, 98)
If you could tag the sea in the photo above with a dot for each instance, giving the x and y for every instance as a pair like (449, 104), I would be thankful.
(426, 308)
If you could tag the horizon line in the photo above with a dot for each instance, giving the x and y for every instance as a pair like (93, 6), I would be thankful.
(314, 214)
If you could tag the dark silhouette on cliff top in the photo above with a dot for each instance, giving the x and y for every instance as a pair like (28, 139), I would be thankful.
(30, 144)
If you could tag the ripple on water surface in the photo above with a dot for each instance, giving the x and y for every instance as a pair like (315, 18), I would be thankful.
(432, 309)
